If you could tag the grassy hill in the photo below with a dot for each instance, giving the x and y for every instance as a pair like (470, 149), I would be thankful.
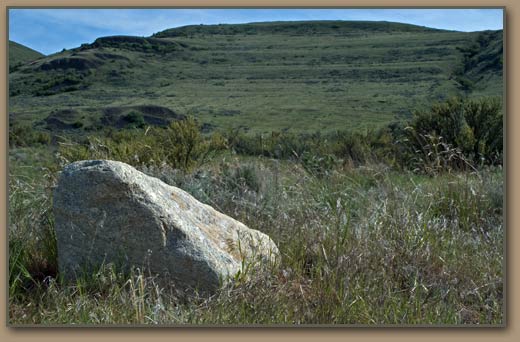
(402, 226)
(290, 76)
(20, 54)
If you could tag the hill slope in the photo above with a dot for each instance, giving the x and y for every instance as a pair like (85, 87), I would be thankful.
(20, 54)
(297, 76)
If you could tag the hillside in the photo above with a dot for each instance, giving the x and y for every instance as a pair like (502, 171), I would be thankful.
(402, 225)
(295, 76)
(20, 54)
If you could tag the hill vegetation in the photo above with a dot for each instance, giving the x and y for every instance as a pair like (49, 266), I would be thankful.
(371, 153)
(20, 55)
(297, 77)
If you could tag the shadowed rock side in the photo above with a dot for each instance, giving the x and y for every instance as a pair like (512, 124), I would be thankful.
(108, 212)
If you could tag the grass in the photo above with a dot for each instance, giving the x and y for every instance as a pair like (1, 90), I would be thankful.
(402, 225)
(261, 77)
(361, 245)
(20, 55)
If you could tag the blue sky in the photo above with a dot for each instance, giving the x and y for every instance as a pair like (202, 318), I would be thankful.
(51, 30)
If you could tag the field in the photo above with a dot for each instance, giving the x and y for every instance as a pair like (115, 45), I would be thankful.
(364, 245)
(371, 153)
(303, 77)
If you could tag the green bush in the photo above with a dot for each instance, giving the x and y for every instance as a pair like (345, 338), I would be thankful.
(24, 135)
(430, 154)
(135, 119)
(352, 146)
(77, 124)
(454, 135)
(278, 145)
(180, 145)
(485, 118)
(184, 143)
(318, 165)
(241, 177)
(459, 131)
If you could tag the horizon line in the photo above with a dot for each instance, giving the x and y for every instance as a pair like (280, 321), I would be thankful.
(267, 21)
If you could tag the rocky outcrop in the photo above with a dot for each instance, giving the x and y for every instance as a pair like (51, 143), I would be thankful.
(108, 212)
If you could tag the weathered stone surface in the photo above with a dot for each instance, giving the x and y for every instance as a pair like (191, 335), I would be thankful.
(108, 212)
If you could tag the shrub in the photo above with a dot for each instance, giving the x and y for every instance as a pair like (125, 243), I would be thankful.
(485, 119)
(352, 146)
(279, 145)
(77, 124)
(24, 135)
(180, 145)
(430, 154)
(468, 130)
(184, 143)
(135, 119)
(241, 177)
(317, 165)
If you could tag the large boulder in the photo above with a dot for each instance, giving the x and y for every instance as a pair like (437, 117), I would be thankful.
(107, 212)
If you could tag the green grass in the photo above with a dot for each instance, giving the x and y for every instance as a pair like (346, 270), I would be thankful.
(392, 226)
(301, 77)
(20, 55)
(362, 245)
